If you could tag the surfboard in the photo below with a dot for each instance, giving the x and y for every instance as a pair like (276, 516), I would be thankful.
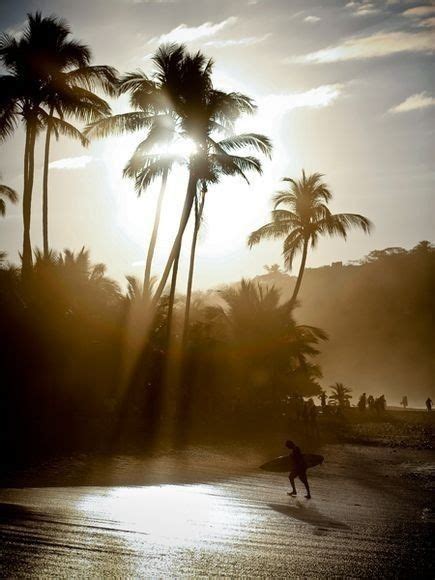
(285, 462)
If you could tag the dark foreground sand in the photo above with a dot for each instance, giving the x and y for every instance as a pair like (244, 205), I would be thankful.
(205, 513)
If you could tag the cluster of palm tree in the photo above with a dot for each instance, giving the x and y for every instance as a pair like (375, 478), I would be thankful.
(179, 102)
(260, 328)
(50, 81)
(50, 84)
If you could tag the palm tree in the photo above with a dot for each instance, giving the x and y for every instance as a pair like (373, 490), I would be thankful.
(22, 93)
(272, 269)
(306, 219)
(9, 194)
(37, 65)
(150, 97)
(220, 161)
(263, 332)
(199, 208)
(71, 94)
(202, 112)
(340, 394)
(86, 283)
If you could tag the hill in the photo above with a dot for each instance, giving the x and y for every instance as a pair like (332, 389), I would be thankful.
(379, 315)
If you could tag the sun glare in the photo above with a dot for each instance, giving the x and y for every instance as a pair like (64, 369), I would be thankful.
(182, 147)
(135, 213)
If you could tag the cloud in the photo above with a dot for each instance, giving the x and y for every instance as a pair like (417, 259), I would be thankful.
(273, 107)
(312, 19)
(71, 162)
(417, 101)
(16, 30)
(362, 8)
(319, 97)
(428, 22)
(419, 11)
(184, 33)
(377, 45)
(246, 41)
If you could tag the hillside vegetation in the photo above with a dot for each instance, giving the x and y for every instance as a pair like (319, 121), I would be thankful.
(379, 315)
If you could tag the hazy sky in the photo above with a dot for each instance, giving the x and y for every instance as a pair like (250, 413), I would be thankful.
(344, 88)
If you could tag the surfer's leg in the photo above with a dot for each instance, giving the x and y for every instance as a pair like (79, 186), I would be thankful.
(292, 483)
(303, 478)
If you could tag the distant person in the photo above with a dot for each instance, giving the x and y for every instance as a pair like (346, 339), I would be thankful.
(429, 404)
(404, 402)
(299, 468)
(371, 402)
(380, 404)
(362, 403)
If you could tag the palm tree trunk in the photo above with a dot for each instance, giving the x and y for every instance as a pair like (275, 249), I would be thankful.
(198, 217)
(301, 272)
(153, 240)
(45, 186)
(25, 188)
(185, 394)
(188, 202)
(172, 295)
(27, 195)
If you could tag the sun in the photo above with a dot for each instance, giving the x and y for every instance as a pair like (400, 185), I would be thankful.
(182, 147)
(135, 213)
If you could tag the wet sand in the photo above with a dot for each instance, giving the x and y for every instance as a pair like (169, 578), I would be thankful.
(206, 513)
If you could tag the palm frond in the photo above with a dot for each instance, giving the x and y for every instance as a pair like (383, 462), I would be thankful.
(235, 165)
(119, 124)
(95, 77)
(255, 141)
(8, 106)
(284, 197)
(289, 217)
(145, 170)
(64, 128)
(339, 224)
(274, 230)
(9, 193)
(293, 244)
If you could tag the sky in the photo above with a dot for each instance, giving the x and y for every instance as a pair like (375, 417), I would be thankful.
(345, 88)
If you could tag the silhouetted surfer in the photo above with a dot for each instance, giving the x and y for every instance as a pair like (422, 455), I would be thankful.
(299, 469)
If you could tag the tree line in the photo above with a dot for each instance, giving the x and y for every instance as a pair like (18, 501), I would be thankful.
(71, 323)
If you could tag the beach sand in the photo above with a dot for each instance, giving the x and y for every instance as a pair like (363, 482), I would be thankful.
(204, 512)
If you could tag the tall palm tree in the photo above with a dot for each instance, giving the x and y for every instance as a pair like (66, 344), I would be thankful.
(199, 208)
(8, 193)
(35, 64)
(306, 219)
(22, 92)
(220, 161)
(70, 94)
(150, 97)
(204, 111)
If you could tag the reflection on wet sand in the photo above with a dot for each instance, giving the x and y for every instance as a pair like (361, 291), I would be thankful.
(239, 525)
